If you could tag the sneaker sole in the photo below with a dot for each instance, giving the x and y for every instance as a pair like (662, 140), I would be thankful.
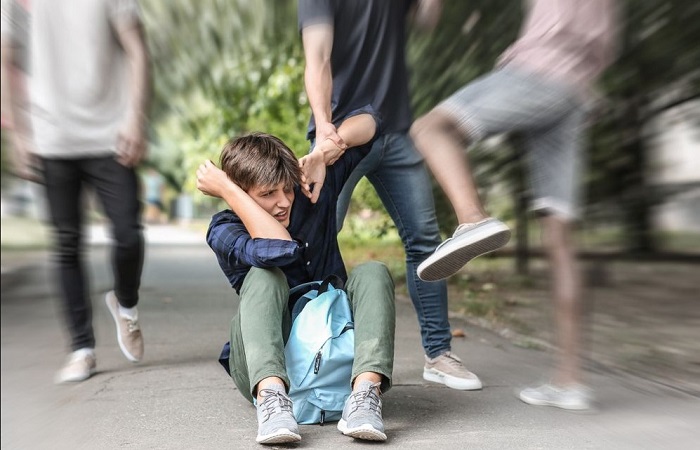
(115, 316)
(281, 436)
(536, 402)
(448, 260)
(451, 382)
(365, 432)
(60, 380)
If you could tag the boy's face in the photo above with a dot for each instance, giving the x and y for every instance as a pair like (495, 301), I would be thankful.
(276, 200)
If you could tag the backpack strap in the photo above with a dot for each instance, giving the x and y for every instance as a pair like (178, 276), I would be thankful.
(304, 293)
(332, 280)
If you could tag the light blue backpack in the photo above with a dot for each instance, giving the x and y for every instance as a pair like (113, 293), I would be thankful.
(320, 351)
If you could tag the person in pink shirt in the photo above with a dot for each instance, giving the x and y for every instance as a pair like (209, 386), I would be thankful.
(541, 87)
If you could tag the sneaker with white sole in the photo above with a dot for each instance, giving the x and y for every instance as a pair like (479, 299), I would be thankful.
(80, 365)
(574, 397)
(468, 241)
(276, 422)
(448, 369)
(128, 331)
(362, 414)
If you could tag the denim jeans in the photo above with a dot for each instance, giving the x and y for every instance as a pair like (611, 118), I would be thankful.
(398, 174)
(260, 329)
(118, 191)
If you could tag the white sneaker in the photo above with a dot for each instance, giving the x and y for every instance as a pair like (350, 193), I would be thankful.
(468, 241)
(449, 370)
(129, 334)
(80, 365)
(574, 397)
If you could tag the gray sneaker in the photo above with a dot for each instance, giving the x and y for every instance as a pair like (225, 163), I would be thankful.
(128, 331)
(362, 414)
(575, 397)
(468, 241)
(276, 422)
(449, 370)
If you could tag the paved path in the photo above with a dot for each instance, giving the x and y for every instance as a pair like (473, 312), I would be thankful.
(180, 398)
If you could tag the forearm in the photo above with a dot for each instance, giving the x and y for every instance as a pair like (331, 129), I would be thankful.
(354, 131)
(258, 222)
(318, 82)
(358, 130)
(139, 76)
(318, 77)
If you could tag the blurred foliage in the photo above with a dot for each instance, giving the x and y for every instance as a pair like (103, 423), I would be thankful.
(222, 68)
(465, 44)
(225, 67)
(657, 70)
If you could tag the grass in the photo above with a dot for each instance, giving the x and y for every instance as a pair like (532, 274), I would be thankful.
(479, 292)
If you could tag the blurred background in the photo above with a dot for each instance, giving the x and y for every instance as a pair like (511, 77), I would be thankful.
(225, 67)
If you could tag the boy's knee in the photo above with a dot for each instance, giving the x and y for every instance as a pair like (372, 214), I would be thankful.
(374, 279)
(271, 280)
(374, 269)
(431, 121)
(272, 275)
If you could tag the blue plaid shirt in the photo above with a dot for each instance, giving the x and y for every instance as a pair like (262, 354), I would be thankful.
(313, 253)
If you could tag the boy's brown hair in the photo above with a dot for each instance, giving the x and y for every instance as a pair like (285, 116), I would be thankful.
(259, 159)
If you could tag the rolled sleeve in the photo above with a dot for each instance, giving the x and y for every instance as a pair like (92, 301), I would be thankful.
(264, 253)
(234, 247)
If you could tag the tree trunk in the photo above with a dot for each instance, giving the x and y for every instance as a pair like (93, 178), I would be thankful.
(520, 206)
(639, 197)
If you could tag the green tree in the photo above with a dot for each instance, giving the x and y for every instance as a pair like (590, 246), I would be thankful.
(657, 70)
(222, 68)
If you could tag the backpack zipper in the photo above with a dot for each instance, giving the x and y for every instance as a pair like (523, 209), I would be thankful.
(317, 362)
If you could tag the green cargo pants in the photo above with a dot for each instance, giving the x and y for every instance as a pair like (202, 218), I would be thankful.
(262, 325)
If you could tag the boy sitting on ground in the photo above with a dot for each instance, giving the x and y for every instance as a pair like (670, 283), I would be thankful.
(273, 239)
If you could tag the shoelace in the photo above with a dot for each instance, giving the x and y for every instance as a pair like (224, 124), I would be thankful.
(453, 360)
(274, 400)
(359, 398)
(132, 325)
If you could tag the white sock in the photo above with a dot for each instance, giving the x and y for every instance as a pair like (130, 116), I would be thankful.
(130, 313)
(84, 352)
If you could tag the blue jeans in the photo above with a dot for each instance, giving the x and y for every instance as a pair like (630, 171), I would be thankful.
(398, 174)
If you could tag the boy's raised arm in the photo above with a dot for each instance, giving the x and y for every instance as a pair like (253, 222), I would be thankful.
(260, 224)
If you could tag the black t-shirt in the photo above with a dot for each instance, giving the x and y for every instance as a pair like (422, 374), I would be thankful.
(368, 58)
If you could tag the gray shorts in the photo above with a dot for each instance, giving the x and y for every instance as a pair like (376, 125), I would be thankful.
(549, 114)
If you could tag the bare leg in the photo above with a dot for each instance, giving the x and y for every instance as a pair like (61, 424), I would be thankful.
(566, 295)
(442, 147)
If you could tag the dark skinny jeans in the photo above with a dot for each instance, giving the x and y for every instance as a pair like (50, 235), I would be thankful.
(117, 188)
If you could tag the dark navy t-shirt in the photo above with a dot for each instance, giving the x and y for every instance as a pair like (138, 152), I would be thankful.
(368, 58)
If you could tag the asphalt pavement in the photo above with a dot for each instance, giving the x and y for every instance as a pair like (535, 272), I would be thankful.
(179, 397)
